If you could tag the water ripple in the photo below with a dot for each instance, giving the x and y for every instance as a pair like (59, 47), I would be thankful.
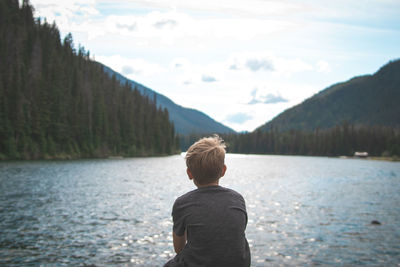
(301, 210)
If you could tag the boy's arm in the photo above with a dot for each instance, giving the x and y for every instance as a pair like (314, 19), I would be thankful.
(179, 242)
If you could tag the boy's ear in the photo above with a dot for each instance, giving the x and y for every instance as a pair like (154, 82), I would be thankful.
(189, 174)
(223, 170)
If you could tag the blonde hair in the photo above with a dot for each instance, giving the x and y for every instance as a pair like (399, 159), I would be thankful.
(206, 158)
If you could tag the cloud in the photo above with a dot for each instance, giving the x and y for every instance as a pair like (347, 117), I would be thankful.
(179, 63)
(254, 93)
(268, 62)
(234, 67)
(129, 27)
(259, 64)
(233, 7)
(273, 99)
(165, 22)
(167, 27)
(177, 28)
(64, 11)
(140, 65)
(254, 101)
(238, 118)
(208, 79)
(267, 99)
(323, 66)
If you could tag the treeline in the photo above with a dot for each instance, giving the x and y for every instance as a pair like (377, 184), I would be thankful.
(57, 103)
(341, 140)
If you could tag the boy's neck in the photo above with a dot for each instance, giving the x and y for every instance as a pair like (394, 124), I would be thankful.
(210, 184)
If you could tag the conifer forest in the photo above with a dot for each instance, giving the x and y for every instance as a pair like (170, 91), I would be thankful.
(56, 102)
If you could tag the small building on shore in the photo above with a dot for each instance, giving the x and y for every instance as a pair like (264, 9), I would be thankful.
(361, 154)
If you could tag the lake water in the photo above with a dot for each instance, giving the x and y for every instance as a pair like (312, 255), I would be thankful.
(117, 212)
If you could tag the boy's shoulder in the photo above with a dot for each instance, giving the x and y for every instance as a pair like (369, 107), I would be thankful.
(208, 191)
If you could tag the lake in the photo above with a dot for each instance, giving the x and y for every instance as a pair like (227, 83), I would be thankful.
(117, 212)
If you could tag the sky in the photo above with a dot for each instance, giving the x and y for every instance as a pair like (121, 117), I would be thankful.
(240, 62)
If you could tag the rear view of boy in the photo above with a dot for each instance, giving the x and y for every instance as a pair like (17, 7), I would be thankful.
(209, 222)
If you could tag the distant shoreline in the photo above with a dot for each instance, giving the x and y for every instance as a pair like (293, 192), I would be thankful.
(63, 157)
(393, 159)
(385, 158)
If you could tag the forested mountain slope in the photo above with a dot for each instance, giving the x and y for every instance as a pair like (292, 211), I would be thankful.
(365, 100)
(186, 120)
(57, 103)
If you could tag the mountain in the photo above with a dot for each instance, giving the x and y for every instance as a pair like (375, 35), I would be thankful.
(366, 100)
(186, 120)
(55, 102)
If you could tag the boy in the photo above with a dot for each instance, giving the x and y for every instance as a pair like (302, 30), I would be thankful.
(209, 222)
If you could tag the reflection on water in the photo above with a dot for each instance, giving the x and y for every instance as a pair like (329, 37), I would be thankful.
(302, 210)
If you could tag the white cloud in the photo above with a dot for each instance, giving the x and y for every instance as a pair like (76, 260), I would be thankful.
(208, 79)
(128, 26)
(165, 23)
(232, 7)
(161, 28)
(266, 99)
(256, 64)
(138, 66)
(323, 66)
(64, 11)
(180, 63)
(267, 62)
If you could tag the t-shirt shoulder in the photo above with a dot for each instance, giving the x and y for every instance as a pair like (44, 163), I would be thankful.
(234, 192)
(184, 196)
(210, 189)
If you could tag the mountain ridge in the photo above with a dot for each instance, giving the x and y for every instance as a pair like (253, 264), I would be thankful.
(186, 120)
(361, 100)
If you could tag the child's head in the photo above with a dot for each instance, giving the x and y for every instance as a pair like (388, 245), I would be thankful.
(205, 160)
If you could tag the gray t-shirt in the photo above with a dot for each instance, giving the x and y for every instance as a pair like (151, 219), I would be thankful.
(215, 219)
